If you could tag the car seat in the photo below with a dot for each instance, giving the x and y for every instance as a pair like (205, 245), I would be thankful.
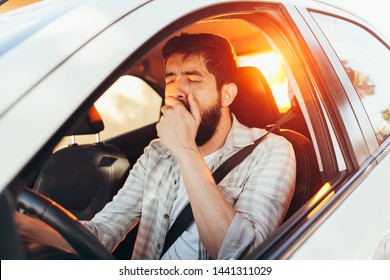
(83, 178)
(255, 106)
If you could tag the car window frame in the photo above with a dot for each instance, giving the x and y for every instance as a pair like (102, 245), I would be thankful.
(334, 95)
(374, 145)
(350, 91)
(303, 79)
(120, 67)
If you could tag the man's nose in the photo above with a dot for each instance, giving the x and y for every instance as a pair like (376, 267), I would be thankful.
(177, 90)
(180, 95)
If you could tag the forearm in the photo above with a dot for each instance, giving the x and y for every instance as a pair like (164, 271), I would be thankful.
(212, 213)
(34, 230)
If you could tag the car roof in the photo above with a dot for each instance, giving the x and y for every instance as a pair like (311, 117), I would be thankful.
(22, 23)
(60, 25)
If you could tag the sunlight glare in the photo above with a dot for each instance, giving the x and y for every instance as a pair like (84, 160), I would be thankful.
(269, 65)
(325, 188)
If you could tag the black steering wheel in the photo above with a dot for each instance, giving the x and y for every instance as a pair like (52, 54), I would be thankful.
(83, 241)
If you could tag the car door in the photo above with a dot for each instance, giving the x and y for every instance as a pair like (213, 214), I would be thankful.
(350, 62)
(355, 229)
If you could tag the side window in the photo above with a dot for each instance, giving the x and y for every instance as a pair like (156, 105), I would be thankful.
(366, 60)
(130, 103)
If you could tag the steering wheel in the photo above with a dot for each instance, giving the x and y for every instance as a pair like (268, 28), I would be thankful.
(47, 210)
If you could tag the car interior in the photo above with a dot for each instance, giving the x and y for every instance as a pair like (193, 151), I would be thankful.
(83, 177)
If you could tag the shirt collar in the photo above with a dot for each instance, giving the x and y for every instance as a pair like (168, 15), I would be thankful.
(239, 135)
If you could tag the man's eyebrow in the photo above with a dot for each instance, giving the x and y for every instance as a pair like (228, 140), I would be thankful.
(189, 72)
(193, 72)
(168, 74)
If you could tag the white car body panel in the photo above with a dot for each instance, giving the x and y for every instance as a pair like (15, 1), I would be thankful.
(355, 225)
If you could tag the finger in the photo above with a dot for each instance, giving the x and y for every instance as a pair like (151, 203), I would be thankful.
(171, 101)
(194, 106)
(164, 109)
(158, 125)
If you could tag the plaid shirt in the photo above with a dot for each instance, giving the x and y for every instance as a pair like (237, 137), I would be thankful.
(260, 189)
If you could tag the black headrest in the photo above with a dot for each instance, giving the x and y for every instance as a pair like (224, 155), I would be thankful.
(254, 105)
(90, 123)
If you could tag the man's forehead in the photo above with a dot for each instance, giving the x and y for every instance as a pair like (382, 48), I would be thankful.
(183, 63)
(182, 59)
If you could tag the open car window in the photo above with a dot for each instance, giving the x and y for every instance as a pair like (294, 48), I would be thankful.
(130, 103)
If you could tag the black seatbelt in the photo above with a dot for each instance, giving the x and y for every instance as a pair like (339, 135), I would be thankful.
(186, 216)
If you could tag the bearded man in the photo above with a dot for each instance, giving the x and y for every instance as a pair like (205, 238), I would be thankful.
(197, 133)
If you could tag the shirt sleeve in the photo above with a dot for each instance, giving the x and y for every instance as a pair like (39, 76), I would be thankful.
(264, 199)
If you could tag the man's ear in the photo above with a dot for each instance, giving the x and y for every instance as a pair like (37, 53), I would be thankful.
(228, 93)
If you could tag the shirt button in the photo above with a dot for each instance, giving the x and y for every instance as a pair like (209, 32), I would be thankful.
(158, 246)
(175, 182)
(166, 216)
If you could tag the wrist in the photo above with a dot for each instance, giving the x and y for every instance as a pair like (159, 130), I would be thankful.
(186, 153)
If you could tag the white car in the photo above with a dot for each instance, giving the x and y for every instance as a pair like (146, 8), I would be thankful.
(66, 66)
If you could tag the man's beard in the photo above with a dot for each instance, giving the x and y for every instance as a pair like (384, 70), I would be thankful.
(209, 122)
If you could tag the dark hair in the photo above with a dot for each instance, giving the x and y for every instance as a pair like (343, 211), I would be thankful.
(217, 52)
